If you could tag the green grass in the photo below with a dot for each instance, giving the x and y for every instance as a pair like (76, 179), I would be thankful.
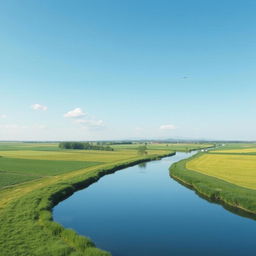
(29, 146)
(73, 155)
(234, 146)
(41, 167)
(7, 179)
(15, 170)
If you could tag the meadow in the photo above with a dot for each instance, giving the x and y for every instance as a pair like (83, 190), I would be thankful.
(227, 174)
(28, 146)
(35, 177)
(235, 146)
(242, 150)
(17, 170)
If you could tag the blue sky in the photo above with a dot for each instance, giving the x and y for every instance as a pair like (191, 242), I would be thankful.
(127, 69)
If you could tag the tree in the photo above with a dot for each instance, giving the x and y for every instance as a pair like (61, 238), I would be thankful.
(83, 145)
(142, 150)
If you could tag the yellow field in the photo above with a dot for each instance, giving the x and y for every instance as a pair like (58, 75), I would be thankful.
(241, 150)
(237, 169)
(77, 155)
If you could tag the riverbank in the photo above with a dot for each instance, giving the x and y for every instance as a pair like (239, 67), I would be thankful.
(26, 223)
(214, 188)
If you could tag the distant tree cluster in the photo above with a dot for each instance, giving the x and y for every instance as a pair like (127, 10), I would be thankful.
(113, 142)
(83, 145)
(121, 143)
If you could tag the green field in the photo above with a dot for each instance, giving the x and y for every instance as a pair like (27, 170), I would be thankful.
(249, 149)
(40, 176)
(182, 147)
(28, 146)
(235, 146)
(17, 170)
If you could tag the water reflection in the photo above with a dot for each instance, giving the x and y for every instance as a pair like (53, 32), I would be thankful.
(142, 165)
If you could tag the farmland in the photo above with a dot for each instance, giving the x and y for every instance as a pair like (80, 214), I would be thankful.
(181, 147)
(21, 162)
(241, 150)
(227, 174)
(236, 169)
(34, 177)
(17, 170)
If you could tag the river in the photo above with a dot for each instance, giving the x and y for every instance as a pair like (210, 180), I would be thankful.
(142, 211)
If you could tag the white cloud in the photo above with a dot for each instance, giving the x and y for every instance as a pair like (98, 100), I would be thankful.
(77, 112)
(166, 127)
(86, 121)
(39, 107)
(91, 124)
(3, 116)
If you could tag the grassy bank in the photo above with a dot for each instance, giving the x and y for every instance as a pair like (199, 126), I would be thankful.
(25, 212)
(214, 188)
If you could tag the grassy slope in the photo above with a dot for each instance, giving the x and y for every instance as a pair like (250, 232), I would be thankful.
(25, 209)
(214, 188)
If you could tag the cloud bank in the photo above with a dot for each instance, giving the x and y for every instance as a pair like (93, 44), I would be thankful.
(82, 118)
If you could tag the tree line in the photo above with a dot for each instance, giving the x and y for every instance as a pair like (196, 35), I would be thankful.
(83, 145)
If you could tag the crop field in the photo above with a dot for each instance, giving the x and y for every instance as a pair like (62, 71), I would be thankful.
(17, 170)
(28, 146)
(8, 178)
(236, 148)
(234, 163)
(22, 162)
(17, 166)
(246, 150)
(165, 146)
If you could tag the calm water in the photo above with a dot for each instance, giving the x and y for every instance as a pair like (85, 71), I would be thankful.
(142, 211)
